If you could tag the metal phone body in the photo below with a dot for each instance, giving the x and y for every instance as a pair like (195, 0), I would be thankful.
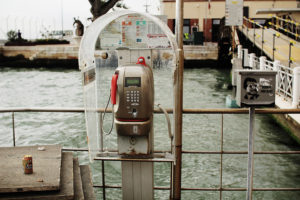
(134, 100)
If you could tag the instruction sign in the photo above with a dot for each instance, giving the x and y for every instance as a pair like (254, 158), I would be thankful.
(234, 12)
(133, 31)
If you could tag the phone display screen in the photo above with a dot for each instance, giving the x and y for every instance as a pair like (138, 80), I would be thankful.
(132, 81)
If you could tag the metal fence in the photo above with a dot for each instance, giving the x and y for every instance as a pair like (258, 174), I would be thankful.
(221, 152)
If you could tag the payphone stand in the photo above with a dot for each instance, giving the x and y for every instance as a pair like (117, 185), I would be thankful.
(254, 88)
(132, 97)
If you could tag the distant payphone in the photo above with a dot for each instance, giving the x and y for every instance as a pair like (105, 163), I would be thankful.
(132, 94)
(256, 88)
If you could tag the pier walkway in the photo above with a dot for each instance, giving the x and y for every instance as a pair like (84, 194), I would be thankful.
(275, 45)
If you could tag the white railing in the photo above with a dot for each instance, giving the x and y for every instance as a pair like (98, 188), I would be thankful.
(288, 79)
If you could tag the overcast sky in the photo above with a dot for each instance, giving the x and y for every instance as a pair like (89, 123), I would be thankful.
(34, 16)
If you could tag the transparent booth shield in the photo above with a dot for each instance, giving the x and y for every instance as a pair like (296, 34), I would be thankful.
(116, 39)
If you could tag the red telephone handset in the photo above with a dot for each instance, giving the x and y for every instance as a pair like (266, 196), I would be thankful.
(113, 89)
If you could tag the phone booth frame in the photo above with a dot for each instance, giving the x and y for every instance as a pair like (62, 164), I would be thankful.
(87, 63)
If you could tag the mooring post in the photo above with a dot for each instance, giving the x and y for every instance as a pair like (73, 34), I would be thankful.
(296, 87)
(252, 61)
(245, 58)
(262, 63)
(276, 67)
(240, 51)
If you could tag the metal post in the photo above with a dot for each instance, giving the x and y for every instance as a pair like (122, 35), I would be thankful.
(178, 95)
(274, 35)
(103, 180)
(13, 126)
(262, 40)
(221, 163)
(290, 54)
(250, 153)
(254, 35)
(102, 162)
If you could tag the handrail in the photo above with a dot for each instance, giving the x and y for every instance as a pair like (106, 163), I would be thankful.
(283, 29)
(285, 20)
(158, 111)
(264, 28)
(221, 152)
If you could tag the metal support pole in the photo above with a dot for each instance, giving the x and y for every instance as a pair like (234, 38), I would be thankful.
(103, 180)
(13, 126)
(254, 35)
(221, 162)
(262, 41)
(178, 95)
(273, 57)
(102, 162)
(250, 153)
(290, 54)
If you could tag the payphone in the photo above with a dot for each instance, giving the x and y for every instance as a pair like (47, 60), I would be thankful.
(132, 97)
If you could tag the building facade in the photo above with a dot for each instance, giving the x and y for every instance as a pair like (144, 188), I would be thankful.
(205, 15)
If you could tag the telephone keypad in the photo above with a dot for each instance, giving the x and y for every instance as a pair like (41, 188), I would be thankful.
(133, 96)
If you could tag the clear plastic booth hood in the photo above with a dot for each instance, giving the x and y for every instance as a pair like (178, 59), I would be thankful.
(119, 39)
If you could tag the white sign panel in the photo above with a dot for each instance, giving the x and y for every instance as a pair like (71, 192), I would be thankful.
(234, 12)
(133, 31)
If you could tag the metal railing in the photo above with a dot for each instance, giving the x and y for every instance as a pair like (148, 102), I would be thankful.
(286, 25)
(221, 152)
(272, 43)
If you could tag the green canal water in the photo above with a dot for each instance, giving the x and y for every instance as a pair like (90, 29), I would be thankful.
(203, 88)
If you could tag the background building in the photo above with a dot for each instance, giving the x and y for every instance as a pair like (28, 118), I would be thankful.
(206, 15)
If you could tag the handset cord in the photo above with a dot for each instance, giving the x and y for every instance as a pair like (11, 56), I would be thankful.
(113, 117)
(168, 121)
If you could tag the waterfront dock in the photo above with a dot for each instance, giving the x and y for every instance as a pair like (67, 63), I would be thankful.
(67, 54)
(56, 174)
